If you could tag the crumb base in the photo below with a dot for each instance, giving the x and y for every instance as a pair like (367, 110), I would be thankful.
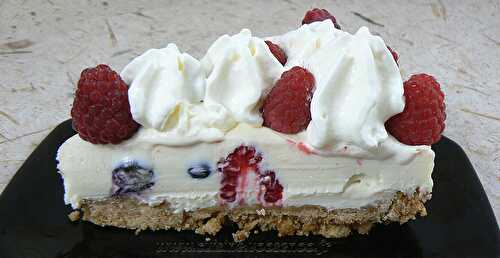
(127, 212)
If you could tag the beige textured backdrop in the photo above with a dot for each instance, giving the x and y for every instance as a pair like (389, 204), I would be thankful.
(44, 44)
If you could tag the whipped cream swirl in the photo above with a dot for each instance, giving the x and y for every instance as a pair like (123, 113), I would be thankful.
(240, 69)
(358, 87)
(159, 80)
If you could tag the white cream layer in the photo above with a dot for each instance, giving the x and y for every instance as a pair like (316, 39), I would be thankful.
(332, 182)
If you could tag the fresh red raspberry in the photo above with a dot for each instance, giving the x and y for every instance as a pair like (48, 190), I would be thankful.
(277, 52)
(101, 112)
(317, 14)
(394, 54)
(422, 120)
(286, 108)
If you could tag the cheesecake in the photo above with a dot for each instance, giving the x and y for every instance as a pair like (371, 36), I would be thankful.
(312, 132)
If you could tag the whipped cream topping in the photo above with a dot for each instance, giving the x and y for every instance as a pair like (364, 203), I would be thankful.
(304, 42)
(240, 69)
(358, 87)
(179, 100)
(161, 79)
(166, 95)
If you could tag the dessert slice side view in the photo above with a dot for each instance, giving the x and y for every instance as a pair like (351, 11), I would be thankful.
(310, 132)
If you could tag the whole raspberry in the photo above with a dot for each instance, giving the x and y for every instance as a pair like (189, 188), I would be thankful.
(101, 111)
(286, 108)
(422, 120)
(317, 14)
(394, 54)
(277, 52)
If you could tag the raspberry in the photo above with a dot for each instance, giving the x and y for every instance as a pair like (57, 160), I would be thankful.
(394, 54)
(277, 52)
(101, 111)
(237, 165)
(317, 14)
(286, 107)
(235, 169)
(272, 189)
(422, 120)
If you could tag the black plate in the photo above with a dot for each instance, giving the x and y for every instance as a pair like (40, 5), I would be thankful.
(34, 222)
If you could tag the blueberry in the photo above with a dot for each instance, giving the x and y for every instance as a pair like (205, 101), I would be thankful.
(130, 177)
(199, 171)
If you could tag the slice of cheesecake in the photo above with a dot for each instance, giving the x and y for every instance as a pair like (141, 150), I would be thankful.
(287, 133)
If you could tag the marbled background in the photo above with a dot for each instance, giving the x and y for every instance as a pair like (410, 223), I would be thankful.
(44, 44)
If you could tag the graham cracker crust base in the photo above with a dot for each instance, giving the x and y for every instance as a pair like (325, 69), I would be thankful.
(127, 212)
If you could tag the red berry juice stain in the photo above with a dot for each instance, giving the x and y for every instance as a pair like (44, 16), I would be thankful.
(301, 146)
(304, 148)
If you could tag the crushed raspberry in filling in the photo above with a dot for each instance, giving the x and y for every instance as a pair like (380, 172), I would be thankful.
(236, 169)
